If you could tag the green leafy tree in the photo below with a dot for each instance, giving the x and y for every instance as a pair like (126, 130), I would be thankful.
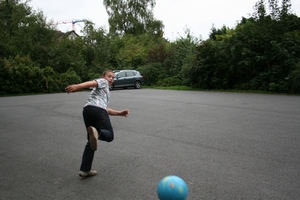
(132, 17)
(133, 53)
(134, 50)
(68, 54)
(180, 57)
(96, 51)
(259, 54)
(24, 32)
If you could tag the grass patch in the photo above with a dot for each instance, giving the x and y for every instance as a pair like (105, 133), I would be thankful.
(173, 88)
(221, 90)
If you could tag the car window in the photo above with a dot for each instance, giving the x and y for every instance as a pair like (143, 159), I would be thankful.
(130, 74)
(120, 74)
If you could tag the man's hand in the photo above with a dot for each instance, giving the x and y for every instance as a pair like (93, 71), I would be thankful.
(71, 88)
(113, 112)
(80, 86)
(124, 113)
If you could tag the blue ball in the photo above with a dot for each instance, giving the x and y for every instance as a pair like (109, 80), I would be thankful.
(172, 188)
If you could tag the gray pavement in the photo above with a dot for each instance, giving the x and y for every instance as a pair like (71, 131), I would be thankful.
(224, 145)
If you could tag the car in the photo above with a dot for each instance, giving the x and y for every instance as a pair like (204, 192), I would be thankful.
(127, 78)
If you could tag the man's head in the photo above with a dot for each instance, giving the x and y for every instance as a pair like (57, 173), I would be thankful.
(109, 76)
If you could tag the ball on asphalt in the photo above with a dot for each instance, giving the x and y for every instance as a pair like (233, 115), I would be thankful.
(172, 188)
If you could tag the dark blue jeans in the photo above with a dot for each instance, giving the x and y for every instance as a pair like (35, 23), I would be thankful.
(98, 118)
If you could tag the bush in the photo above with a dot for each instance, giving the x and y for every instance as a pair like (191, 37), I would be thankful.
(152, 72)
(69, 77)
(294, 79)
(22, 75)
(50, 81)
(170, 81)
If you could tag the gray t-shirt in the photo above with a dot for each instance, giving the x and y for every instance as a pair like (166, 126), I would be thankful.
(100, 95)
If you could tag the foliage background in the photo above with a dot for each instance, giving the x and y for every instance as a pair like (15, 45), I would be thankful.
(261, 53)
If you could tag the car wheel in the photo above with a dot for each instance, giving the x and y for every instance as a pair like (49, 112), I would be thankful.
(137, 85)
(111, 87)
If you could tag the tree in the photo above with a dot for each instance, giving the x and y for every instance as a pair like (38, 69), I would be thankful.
(132, 17)
(215, 32)
(96, 50)
(24, 32)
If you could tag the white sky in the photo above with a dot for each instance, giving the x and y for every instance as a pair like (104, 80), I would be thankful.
(177, 15)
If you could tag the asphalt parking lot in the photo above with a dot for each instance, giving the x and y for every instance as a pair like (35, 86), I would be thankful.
(224, 145)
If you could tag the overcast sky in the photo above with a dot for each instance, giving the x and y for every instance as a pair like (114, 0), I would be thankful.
(177, 15)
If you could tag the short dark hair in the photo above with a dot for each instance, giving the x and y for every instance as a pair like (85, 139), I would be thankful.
(106, 71)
